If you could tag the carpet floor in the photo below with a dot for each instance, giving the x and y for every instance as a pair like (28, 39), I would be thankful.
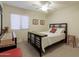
(59, 50)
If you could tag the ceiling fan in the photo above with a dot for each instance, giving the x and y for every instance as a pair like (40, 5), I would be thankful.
(44, 5)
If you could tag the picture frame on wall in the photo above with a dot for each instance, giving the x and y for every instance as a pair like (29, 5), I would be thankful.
(42, 22)
(35, 22)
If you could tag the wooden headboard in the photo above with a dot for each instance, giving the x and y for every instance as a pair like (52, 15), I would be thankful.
(61, 25)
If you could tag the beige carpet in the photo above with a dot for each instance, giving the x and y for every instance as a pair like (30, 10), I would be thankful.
(60, 50)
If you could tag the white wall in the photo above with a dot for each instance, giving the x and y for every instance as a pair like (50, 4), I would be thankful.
(68, 15)
(22, 34)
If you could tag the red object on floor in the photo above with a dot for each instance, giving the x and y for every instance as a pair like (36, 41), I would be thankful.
(12, 53)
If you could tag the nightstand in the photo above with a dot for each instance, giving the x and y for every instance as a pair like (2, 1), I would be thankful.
(72, 40)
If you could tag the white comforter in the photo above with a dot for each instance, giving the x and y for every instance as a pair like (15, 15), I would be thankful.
(51, 39)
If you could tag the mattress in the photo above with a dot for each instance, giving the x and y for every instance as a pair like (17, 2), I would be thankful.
(51, 39)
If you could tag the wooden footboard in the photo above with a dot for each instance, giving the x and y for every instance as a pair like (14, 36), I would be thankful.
(36, 41)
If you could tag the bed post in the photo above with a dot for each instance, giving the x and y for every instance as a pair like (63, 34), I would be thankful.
(14, 38)
(1, 21)
(66, 30)
(40, 47)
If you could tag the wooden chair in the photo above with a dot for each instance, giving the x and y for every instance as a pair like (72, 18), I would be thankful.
(72, 40)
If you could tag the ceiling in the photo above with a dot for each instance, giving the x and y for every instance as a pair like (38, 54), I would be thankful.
(36, 5)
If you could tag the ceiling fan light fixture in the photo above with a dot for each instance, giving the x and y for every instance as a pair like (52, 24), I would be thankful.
(44, 7)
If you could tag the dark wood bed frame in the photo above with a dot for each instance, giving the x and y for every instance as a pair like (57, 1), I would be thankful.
(36, 40)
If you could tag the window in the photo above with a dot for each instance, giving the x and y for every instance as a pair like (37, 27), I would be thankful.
(24, 22)
(15, 21)
(19, 21)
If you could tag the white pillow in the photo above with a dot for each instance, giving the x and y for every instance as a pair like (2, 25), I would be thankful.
(60, 30)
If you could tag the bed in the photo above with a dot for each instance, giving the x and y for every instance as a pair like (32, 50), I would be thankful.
(41, 40)
(8, 41)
